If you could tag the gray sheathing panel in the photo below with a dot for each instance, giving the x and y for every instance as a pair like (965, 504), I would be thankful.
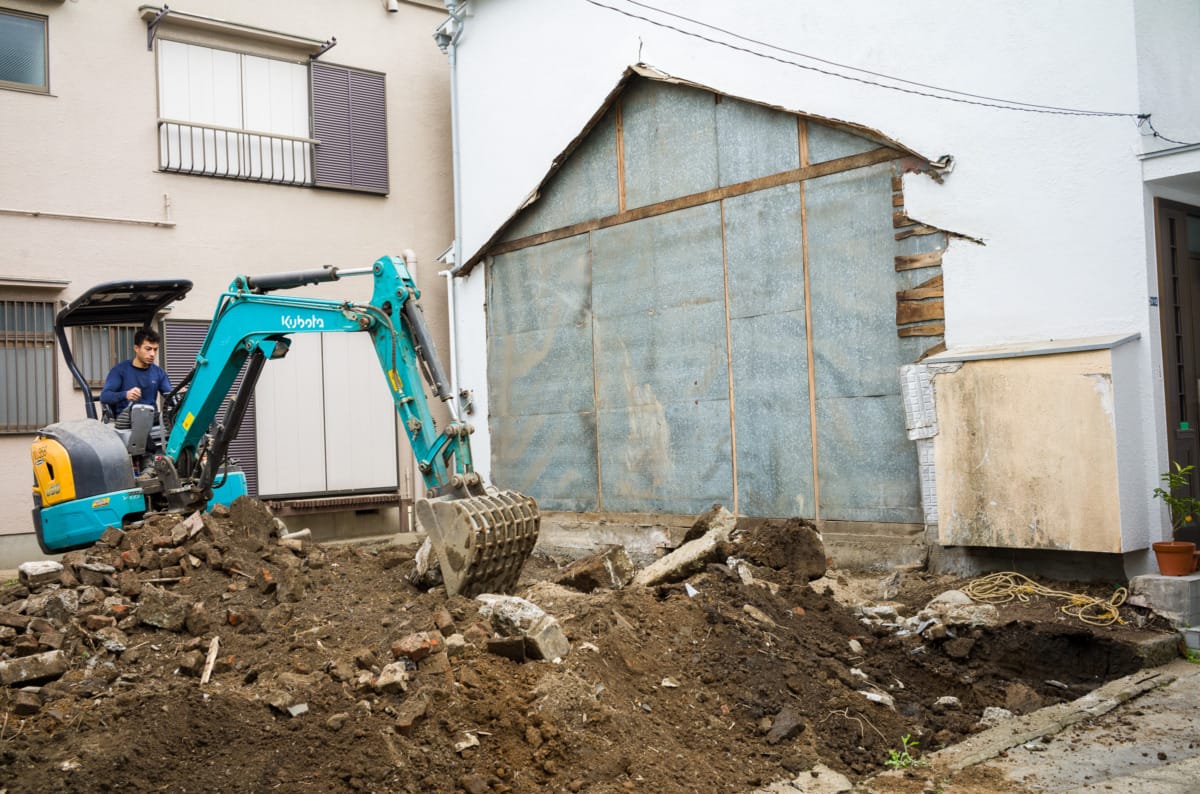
(666, 457)
(770, 397)
(540, 374)
(584, 188)
(764, 249)
(853, 281)
(543, 286)
(661, 374)
(827, 143)
(763, 243)
(754, 141)
(670, 135)
(551, 457)
(867, 467)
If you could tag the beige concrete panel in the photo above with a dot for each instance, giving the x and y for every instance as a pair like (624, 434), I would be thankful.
(1026, 454)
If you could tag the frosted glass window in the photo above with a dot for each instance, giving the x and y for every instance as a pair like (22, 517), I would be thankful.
(23, 51)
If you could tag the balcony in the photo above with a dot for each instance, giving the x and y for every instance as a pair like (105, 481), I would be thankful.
(188, 147)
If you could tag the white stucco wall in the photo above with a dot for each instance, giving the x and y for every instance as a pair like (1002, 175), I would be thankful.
(1058, 201)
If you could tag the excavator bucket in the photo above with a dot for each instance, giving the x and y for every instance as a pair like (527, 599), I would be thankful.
(482, 541)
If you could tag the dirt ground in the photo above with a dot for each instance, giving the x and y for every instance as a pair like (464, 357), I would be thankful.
(708, 684)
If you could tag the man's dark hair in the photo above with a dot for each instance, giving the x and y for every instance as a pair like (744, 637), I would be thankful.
(145, 335)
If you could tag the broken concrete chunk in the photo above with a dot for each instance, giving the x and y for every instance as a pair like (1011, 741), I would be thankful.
(31, 669)
(61, 606)
(510, 615)
(545, 640)
(192, 663)
(684, 561)
(27, 701)
(35, 574)
(947, 703)
(951, 598)
(993, 715)
(113, 639)
(610, 569)
(162, 608)
(393, 678)
(716, 519)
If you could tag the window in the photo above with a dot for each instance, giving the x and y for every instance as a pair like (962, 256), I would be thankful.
(233, 115)
(27, 387)
(23, 45)
(242, 116)
(96, 348)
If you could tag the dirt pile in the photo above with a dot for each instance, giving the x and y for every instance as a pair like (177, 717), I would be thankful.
(210, 655)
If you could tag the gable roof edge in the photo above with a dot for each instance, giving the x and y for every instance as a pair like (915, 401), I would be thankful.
(935, 168)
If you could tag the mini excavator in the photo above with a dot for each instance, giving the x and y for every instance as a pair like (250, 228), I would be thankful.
(95, 473)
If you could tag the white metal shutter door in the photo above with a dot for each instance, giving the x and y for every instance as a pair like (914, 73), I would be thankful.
(182, 343)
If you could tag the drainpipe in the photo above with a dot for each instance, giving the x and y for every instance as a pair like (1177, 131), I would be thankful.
(447, 37)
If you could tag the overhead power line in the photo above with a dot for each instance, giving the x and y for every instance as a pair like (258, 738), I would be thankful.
(944, 94)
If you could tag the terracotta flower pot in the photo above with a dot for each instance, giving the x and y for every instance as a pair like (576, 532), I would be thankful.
(1175, 557)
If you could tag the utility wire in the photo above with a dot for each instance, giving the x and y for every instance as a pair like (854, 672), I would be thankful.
(860, 70)
(961, 97)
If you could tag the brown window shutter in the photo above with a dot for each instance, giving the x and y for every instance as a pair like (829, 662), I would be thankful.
(350, 120)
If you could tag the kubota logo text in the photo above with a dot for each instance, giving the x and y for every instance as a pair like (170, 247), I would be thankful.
(295, 322)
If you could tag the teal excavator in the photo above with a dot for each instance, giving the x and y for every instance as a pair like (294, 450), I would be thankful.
(91, 474)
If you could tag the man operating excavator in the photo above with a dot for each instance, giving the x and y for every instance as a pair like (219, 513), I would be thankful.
(136, 381)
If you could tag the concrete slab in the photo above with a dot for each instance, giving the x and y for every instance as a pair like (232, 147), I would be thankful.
(1176, 598)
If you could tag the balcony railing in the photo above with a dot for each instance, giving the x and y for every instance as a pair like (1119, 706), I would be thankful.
(189, 147)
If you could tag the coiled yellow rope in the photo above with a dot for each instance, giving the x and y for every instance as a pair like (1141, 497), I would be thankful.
(1000, 588)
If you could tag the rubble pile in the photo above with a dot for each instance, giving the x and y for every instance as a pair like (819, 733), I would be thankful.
(217, 653)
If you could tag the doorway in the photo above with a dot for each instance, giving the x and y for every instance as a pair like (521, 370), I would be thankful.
(1179, 310)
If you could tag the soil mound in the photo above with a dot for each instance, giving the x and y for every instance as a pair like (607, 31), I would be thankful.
(209, 655)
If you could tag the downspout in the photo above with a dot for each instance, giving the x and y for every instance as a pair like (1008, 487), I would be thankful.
(447, 37)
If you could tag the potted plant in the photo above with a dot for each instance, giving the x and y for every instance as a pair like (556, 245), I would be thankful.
(1178, 557)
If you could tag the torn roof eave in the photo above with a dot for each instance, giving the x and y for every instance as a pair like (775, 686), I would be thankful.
(917, 161)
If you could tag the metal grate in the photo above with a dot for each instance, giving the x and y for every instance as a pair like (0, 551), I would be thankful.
(211, 150)
(27, 371)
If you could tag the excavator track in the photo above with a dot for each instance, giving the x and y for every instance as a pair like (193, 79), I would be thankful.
(482, 542)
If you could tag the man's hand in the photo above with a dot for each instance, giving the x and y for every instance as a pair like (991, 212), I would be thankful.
(134, 394)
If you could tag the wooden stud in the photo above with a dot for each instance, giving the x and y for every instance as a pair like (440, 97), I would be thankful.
(919, 311)
(927, 289)
(729, 362)
(897, 199)
(620, 159)
(917, 261)
(929, 329)
(917, 230)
